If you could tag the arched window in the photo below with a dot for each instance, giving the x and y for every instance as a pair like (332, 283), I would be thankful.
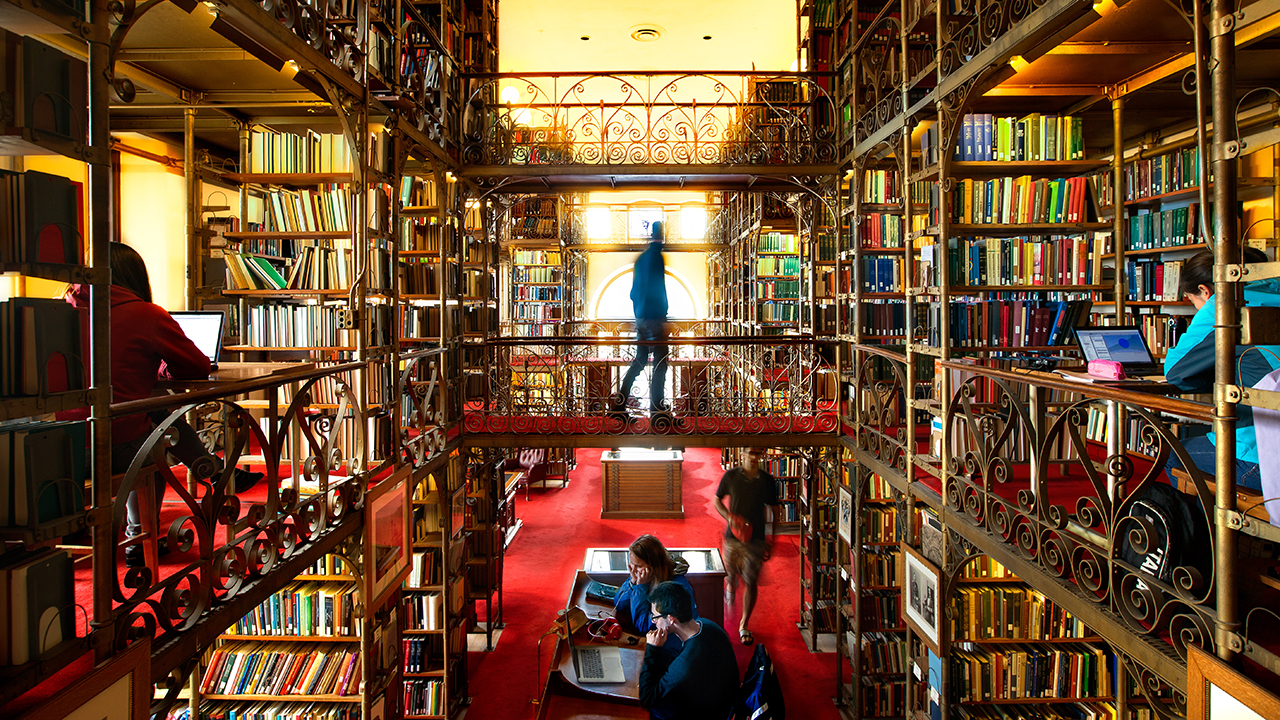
(614, 300)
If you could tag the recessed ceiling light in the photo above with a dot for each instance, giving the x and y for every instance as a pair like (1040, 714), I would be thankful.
(706, 37)
(646, 33)
(586, 37)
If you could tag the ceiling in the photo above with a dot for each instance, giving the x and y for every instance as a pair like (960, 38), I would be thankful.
(546, 35)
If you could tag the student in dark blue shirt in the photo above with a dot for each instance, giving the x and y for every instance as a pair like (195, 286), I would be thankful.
(649, 301)
(702, 680)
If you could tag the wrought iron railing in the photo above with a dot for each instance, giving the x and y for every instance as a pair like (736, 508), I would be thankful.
(639, 118)
(718, 385)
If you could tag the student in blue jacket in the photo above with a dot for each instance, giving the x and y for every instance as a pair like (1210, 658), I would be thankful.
(648, 563)
(1189, 365)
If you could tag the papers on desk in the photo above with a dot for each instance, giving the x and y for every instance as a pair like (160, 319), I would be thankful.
(1083, 377)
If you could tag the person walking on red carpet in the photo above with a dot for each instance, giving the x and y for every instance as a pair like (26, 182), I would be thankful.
(749, 490)
(699, 682)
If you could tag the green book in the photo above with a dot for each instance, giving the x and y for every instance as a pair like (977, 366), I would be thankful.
(269, 270)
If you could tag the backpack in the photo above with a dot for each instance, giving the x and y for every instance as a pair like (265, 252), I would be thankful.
(1179, 537)
(761, 695)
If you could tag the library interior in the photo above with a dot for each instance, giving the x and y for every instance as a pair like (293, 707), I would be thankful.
(936, 342)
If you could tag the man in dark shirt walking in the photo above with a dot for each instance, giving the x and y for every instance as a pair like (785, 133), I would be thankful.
(750, 489)
(702, 680)
(649, 301)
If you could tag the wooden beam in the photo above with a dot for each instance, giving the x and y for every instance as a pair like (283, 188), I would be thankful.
(655, 440)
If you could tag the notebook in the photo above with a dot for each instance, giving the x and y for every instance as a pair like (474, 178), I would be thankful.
(1124, 344)
(205, 330)
(601, 592)
(597, 663)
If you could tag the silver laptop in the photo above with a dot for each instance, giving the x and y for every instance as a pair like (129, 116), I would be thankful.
(204, 328)
(1124, 344)
(597, 663)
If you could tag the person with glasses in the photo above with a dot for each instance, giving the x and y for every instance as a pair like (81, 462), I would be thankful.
(649, 564)
(1189, 365)
(749, 489)
(699, 682)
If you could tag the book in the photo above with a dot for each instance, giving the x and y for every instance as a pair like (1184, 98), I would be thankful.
(601, 592)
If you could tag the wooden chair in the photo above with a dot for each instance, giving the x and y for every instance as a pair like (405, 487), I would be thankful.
(1249, 500)
(532, 462)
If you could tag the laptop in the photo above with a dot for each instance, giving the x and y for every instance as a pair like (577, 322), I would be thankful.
(204, 328)
(1124, 344)
(597, 663)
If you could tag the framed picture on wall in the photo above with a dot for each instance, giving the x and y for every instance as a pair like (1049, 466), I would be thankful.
(844, 514)
(119, 689)
(1217, 691)
(922, 596)
(386, 549)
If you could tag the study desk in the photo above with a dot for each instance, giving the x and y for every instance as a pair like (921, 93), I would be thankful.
(706, 575)
(564, 698)
(638, 483)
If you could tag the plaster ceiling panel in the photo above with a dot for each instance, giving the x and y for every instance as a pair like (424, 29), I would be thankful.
(1139, 21)
(542, 35)
(168, 26)
(1087, 67)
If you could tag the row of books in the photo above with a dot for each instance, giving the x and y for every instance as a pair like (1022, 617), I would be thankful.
(534, 207)
(289, 325)
(1168, 173)
(425, 234)
(273, 668)
(1021, 672)
(882, 187)
(879, 524)
(1062, 711)
(535, 274)
(883, 652)
(422, 654)
(418, 191)
(1099, 427)
(534, 227)
(821, 613)
(1020, 200)
(329, 565)
(544, 312)
(884, 318)
(824, 283)
(826, 246)
(1033, 260)
(1011, 612)
(424, 697)
(533, 329)
(279, 152)
(418, 276)
(769, 311)
(1151, 280)
(982, 567)
(824, 551)
(41, 219)
(306, 609)
(284, 249)
(536, 292)
(325, 209)
(1015, 324)
(877, 488)
(777, 289)
(881, 698)
(424, 611)
(1034, 138)
(271, 710)
(536, 257)
(1165, 228)
(788, 490)
(782, 466)
(420, 321)
(775, 242)
(882, 274)
(479, 285)
(778, 265)
(879, 567)
(881, 230)
(425, 567)
(40, 352)
(881, 609)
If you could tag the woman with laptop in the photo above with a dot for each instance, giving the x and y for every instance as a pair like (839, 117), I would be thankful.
(146, 344)
(1189, 365)
(648, 564)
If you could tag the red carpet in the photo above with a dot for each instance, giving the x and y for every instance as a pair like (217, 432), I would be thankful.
(559, 524)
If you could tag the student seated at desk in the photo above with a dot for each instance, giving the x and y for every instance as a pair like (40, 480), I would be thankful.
(649, 564)
(146, 344)
(699, 682)
(1190, 364)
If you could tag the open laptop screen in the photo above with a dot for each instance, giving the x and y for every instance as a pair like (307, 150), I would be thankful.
(205, 330)
(1124, 345)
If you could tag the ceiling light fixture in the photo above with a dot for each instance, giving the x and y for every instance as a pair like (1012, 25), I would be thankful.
(646, 33)
(585, 37)
(706, 37)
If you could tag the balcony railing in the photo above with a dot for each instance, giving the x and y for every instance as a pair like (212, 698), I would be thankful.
(717, 385)
(625, 118)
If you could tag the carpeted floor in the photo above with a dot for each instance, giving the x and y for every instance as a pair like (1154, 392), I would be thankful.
(559, 524)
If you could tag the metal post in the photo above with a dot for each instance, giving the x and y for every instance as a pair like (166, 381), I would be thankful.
(191, 179)
(1117, 203)
(1226, 323)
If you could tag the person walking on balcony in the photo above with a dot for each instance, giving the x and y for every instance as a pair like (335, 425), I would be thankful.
(649, 300)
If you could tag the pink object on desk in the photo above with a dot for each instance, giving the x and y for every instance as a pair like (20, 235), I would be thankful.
(1106, 369)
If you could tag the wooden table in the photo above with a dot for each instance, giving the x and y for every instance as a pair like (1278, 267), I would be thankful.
(563, 697)
(706, 575)
(638, 483)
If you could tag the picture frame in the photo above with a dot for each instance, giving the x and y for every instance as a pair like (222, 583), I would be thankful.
(921, 596)
(119, 689)
(844, 514)
(1215, 690)
(387, 548)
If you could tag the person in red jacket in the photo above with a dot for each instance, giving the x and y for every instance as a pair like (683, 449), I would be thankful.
(146, 344)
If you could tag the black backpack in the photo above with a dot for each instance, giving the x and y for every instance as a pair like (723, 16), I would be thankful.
(761, 695)
(1179, 538)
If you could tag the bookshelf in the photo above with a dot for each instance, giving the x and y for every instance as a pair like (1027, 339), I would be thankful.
(819, 559)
